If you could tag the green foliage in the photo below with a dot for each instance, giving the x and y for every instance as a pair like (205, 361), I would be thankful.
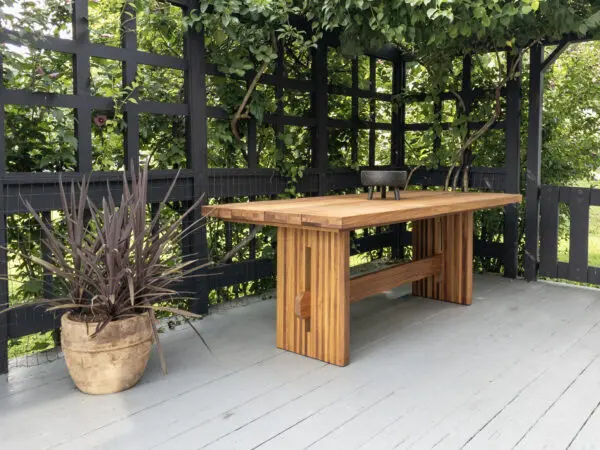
(571, 147)
(31, 344)
(247, 33)
(437, 31)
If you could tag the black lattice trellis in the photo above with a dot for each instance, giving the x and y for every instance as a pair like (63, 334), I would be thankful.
(41, 189)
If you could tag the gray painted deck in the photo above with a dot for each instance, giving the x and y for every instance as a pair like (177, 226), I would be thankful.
(519, 368)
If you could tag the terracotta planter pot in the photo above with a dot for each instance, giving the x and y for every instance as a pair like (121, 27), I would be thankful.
(112, 361)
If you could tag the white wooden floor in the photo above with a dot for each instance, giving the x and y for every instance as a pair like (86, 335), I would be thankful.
(520, 368)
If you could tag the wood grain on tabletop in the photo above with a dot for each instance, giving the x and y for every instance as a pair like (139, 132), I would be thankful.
(346, 212)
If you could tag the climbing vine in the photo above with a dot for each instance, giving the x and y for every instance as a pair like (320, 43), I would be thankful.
(433, 33)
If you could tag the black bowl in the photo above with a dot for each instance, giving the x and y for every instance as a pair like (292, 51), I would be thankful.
(384, 178)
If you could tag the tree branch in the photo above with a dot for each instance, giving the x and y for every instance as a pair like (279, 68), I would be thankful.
(411, 173)
(448, 177)
(240, 113)
(502, 82)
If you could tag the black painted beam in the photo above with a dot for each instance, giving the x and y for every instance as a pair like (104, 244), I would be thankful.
(320, 109)
(3, 241)
(196, 245)
(81, 85)
(559, 50)
(534, 163)
(131, 134)
(513, 172)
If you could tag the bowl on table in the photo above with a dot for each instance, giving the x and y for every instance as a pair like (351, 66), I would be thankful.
(384, 179)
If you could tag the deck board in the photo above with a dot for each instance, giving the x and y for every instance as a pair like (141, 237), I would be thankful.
(519, 366)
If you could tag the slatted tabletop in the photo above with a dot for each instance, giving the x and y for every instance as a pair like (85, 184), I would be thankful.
(347, 212)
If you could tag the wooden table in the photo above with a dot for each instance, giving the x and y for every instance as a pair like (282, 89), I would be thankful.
(314, 289)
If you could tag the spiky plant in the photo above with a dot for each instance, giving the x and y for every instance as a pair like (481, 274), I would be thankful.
(113, 261)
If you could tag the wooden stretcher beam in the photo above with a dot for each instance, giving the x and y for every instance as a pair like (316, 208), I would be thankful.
(383, 280)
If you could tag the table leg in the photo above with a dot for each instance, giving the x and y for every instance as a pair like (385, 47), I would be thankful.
(452, 236)
(313, 310)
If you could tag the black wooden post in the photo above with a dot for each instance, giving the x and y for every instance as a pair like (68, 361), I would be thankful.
(279, 112)
(372, 109)
(355, 118)
(197, 148)
(534, 163)
(131, 117)
(81, 85)
(252, 143)
(397, 158)
(398, 113)
(513, 171)
(253, 163)
(3, 255)
(320, 158)
(467, 98)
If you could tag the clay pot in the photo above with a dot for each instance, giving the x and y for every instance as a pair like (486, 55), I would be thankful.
(112, 361)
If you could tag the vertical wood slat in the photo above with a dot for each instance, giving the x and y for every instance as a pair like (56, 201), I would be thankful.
(197, 147)
(81, 85)
(513, 172)
(325, 334)
(458, 256)
(449, 272)
(549, 231)
(416, 254)
(437, 250)
(579, 206)
(467, 257)
(3, 239)
(48, 279)
(437, 113)
(228, 233)
(252, 145)
(564, 196)
(131, 138)
(48, 289)
(593, 274)
(452, 236)
(595, 197)
(534, 163)
(433, 226)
